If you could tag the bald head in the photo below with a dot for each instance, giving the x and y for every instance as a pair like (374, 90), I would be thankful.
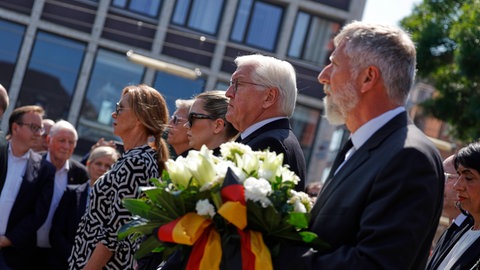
(3, 100)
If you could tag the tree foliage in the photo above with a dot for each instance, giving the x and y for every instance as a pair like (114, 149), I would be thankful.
(447, 36)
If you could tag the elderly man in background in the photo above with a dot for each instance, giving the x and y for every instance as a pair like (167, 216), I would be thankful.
(62, 141)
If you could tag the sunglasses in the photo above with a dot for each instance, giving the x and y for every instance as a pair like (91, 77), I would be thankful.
(192, 116)
(175, 120)
(119, 108)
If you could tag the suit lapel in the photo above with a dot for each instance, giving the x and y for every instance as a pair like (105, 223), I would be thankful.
(358, 158)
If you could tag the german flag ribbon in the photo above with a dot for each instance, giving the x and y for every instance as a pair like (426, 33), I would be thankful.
(199, 232)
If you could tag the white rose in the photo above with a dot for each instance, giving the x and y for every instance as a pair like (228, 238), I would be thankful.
(257, 190)
(205, 208)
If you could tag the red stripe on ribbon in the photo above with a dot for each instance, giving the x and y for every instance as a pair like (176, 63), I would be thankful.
(234, 193)
(165, 232)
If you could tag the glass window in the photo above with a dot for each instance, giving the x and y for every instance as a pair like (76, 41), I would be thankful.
(145, 7)
(110, 74)
(174, 87)
(305, 122)
(201, 15)
(312, 37)
(257, 24)
(52, 74)
(11, 35)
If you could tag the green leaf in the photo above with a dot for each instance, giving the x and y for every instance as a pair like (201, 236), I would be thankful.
(137, 206)
(137, 227)
(312, 238)
(299, 220)
(147, 246)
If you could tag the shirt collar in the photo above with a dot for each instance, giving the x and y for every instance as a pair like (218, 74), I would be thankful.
(362, 134)
(258, 125)
(25, 156)
(66, 166)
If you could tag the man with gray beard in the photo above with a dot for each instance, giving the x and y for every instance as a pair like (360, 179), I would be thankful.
(380, 205)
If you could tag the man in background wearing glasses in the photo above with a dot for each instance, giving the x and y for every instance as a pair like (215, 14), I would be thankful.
(26, 185)
(263, 92)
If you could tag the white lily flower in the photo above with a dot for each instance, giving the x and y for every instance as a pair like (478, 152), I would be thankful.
(249, 163)
(270, 167)
(201, 165)
(300, 200)
(230, 149)
(178, 171)
(288, 175)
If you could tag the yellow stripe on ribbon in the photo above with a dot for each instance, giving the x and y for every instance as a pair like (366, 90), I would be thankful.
(189, 228)
(263, 259)
(206, 252)
(235, 213)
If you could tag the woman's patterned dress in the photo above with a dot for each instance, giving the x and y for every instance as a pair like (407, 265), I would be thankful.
(106, 214)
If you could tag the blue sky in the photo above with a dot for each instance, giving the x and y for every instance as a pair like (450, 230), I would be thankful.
(388, 11)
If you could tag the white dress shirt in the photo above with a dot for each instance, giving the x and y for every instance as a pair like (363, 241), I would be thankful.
(61, 181)
(13, 181)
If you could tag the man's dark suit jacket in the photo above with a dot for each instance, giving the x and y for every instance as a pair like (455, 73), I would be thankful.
(448, 240)
(65, 222)
(76, 175)
(30, 208)
(279, 137)
(381, 209)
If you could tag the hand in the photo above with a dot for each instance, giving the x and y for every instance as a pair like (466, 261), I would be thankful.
(102, 142)
(4, 241)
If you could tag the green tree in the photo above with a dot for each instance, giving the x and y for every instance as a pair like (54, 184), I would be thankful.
(447, 35)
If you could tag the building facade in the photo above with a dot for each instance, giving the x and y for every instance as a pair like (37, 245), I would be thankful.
(69, 56)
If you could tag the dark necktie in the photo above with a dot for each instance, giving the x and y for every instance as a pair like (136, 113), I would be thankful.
(340, 157)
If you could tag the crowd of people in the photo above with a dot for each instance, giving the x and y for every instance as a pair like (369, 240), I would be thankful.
(379, 207)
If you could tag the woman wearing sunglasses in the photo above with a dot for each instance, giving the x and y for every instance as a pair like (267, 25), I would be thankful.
(206, 121)
(140, 116)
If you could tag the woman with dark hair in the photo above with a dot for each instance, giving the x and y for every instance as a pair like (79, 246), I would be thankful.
(140, 116)
(207, 124)
(464, 250)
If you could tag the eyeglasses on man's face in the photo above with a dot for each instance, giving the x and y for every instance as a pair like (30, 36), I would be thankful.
(452, 176)
(119, 108)
(192, 116)
(175, 120)
(235, 82)
(33, 127)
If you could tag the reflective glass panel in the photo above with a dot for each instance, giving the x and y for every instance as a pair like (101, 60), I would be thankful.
(257, 24)
(111, 73)
(52, 73)
(312, 38)
(201, 15)
(11, 36)
(174, 87)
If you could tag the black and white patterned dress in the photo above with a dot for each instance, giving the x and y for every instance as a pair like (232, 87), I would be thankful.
(106, 214)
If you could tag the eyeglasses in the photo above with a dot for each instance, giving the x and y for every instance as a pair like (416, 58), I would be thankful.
(119, 108)
(450, 175)
(236, 82)
(192, 116)
(175, 120)
(33, 127)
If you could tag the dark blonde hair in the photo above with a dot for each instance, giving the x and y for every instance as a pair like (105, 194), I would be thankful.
(216, 104)
(17, 115)
(151, 110)
(103, 151)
